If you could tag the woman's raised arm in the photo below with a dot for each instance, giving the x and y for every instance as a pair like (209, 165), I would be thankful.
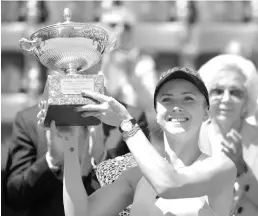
(212, 174)
(109, 200)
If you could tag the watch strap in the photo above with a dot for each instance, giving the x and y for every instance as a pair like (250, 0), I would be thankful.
(131, 133)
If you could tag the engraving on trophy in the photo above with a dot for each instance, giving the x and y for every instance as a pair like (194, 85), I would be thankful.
(76, 86)
(69, 48)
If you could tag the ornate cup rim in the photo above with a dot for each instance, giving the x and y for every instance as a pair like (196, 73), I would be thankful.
(57, 26)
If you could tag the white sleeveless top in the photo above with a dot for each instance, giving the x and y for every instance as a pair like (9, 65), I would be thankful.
(146, 204)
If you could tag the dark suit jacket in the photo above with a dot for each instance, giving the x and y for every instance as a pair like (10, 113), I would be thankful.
(29, 184)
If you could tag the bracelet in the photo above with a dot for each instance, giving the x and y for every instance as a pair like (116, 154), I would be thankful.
(131, 132)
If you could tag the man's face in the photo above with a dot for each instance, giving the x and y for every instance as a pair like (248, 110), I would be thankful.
(119, 29)
(180, 107)
(228, 96)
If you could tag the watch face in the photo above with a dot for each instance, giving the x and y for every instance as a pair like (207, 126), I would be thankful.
(126, 125)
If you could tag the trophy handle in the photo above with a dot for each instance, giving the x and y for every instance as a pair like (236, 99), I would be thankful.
(111, 45)
(29, 45)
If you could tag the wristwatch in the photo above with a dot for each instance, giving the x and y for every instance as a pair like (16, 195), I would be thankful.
(127, 125)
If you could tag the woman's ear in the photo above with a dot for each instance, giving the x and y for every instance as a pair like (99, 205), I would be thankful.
(206, 114)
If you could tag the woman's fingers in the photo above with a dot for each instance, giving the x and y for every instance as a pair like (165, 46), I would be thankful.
(225, 150)
(227, 142)
(95, 114)
(92, 107)
(235, 139)
(236, 135)
(96, 96)
(228, 148)
(41, 114)
(42, 104)
(41, 117)
(232, 137)
(41, 122)
(224, 145)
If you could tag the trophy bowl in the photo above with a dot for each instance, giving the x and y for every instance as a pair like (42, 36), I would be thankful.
(69, 48)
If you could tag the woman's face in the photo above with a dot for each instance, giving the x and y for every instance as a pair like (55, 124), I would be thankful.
(228, 97)
(180, 107)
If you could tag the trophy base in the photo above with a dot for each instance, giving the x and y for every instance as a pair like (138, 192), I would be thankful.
(65, 115)
(62, 94)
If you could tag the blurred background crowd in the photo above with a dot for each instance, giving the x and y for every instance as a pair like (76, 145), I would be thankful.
(152, 36)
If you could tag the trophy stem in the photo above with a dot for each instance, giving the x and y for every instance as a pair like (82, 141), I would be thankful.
(71, 71)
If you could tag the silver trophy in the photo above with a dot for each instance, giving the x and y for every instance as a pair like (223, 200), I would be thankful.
(69, 48)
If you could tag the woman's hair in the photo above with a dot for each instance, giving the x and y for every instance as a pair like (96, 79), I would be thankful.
(238, 64)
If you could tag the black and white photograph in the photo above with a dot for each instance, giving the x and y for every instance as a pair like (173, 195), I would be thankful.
(129, 108)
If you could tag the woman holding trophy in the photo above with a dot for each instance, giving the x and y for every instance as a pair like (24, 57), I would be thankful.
(183, 181)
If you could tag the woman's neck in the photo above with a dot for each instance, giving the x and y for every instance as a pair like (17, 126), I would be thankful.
(226, 126)
(182, 149)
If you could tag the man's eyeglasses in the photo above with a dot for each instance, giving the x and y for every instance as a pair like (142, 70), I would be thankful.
(233, 92)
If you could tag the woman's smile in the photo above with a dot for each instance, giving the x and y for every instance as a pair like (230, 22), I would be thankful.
(225, 109)
(177, 119)
(177, 124)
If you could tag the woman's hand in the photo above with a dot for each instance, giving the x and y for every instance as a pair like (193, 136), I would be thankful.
(109, 110)
(42, 113)
(58, 138)
(232, 147)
